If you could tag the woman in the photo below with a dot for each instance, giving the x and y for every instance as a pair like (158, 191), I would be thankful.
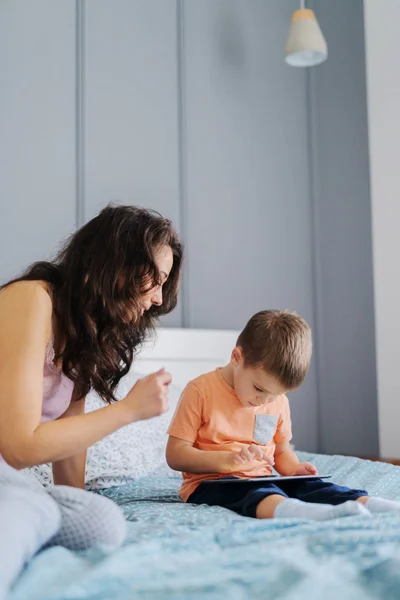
(67, 327)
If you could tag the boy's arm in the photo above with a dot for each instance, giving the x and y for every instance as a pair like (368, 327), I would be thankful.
(287, 462)
(183, 431)
(182, 456)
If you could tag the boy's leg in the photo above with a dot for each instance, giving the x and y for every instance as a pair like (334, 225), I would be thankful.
(301, 504)
(323, 492)
(291, 508)
(242, 498)
(379, 505)
(265, 501)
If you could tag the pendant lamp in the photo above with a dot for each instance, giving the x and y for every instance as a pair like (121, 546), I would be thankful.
(306, 45)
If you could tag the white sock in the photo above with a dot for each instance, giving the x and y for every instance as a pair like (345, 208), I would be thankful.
(381, 505)
(296, 509)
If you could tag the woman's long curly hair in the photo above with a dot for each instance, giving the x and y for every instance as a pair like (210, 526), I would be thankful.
(96, 282)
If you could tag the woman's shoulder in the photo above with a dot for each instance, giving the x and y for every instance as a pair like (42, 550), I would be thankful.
(28, 291)
(25, 301)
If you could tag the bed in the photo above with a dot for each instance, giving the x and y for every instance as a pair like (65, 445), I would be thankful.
(189, 552)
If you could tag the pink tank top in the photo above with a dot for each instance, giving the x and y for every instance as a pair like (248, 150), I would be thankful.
(57, 389)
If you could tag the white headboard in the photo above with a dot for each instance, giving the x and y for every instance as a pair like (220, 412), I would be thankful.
(186, 353)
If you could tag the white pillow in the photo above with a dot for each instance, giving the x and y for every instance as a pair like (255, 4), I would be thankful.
(131, 452)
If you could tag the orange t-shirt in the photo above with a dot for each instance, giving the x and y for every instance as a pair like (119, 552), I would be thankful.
(210, 415)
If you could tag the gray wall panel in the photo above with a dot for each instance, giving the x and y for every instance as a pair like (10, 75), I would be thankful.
(344, 292)
(247, 181)
(130, 107)
(37, 130)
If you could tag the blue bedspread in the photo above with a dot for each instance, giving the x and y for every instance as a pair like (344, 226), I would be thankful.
(186, 552)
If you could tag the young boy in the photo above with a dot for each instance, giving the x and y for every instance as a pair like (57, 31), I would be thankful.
(235, 422)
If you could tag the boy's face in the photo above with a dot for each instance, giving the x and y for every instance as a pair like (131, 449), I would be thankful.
(253, 386)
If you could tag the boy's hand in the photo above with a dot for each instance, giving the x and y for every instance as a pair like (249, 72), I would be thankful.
(305, 468)
(248, 458)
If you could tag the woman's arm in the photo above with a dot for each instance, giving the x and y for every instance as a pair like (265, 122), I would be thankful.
(71, 471)
(25, 330)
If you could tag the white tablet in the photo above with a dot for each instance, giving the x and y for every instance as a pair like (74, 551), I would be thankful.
(274, 478)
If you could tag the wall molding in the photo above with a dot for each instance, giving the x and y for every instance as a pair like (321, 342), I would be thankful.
(80, 112)
(182, 154)
(341, 237)
(315, 242)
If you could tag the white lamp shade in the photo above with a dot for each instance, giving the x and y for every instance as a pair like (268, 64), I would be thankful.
(306, 45)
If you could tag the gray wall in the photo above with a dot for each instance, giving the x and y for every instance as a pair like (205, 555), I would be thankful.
(348, 421)
(130, 107)
(37, 129)
(188, 107)
(246, 193)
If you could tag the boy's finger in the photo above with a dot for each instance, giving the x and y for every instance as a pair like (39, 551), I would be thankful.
(238, 459)
(246, 454)
(256, 450)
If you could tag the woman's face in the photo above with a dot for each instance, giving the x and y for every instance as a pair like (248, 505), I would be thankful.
(164, 259)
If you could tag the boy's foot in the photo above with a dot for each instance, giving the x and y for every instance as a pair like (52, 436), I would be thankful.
(381, 505)
(291, 508)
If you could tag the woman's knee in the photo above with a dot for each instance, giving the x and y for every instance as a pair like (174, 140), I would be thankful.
(9, 475)
(87, 519)
(109, 522)
(34, 516)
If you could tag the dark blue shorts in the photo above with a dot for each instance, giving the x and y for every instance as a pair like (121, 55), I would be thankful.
(244, 498)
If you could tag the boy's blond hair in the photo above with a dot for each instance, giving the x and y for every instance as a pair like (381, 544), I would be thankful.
(279, 342)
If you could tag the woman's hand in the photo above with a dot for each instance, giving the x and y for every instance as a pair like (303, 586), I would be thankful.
(149, 396)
